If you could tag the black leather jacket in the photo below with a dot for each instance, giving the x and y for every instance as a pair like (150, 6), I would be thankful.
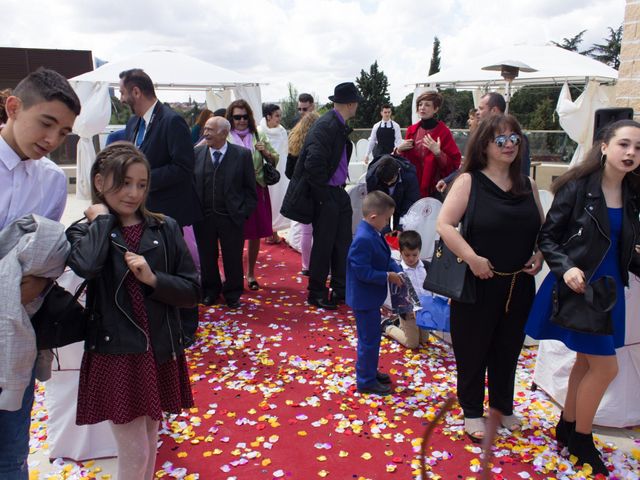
(576, 231)
(317, 163)
(97, 254)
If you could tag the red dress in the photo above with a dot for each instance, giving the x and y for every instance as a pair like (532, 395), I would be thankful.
(427, 166)
(121, 387)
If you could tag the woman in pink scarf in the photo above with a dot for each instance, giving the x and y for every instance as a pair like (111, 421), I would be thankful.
(245, 134)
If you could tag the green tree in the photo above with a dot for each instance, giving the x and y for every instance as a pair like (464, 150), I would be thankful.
(120, 112)
(455, 108)
(435, 57)
(572, 43)
(530, 105)
(609, 52)
(289, 107)
(403, 112)
(374, 87)
(543, 117)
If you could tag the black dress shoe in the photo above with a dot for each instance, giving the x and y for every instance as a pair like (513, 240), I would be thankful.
(209, 299)
(233, 304)
(337, 298)
(321, 303)
(383, 378)
(376, 389)
(305, 272)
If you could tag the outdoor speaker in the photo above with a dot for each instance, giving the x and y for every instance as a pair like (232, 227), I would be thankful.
(605, 116)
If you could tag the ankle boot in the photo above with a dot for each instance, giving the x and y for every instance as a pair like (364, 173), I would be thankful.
(581, 445)
(564, 430)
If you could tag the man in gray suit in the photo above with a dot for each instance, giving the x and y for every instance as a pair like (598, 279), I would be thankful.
(226, 185)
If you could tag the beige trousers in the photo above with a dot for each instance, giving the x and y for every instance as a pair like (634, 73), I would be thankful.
(407, 333)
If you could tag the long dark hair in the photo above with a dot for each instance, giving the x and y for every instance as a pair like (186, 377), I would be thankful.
(593, 160)
(476, 152)
(115, 160)
(244, 105)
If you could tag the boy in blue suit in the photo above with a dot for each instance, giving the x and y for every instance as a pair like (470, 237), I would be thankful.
(369, 269)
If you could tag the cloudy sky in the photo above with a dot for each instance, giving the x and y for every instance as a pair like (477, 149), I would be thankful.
(313, 44)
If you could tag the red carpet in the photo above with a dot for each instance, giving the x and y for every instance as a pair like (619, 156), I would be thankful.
(274, 388)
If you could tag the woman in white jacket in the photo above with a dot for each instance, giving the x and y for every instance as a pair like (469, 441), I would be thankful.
(277, 135)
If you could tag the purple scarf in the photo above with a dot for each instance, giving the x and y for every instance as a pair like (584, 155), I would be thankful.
(244, 138)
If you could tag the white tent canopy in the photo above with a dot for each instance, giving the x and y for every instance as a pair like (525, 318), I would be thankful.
(168, 71)
(554, 66)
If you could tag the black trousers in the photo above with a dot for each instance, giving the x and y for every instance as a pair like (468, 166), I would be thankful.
(331, 240)
(208, 232)
(487, 340)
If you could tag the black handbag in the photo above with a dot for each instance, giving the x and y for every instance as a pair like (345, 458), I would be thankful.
(270, 173)
(448, 275)
(61, 320)
(585, 313)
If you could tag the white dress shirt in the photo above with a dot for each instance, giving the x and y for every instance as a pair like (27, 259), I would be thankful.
(417, 275)
(29, 186)
(148, 118)
(222, 150)
(373, 139)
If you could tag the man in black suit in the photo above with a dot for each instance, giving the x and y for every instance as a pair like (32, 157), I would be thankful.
(165, 139)
(316, 194)
(226, 185)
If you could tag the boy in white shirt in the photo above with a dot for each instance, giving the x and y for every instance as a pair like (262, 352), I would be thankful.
(407, 332)
(40, 114)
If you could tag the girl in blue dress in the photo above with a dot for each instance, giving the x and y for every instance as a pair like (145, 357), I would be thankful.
(591, 230)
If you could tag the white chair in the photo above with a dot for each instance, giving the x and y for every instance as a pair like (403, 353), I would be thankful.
(357, 172)
(356, 194)
(422, 217)
(361, 149)
(546, 199)
(354, 153)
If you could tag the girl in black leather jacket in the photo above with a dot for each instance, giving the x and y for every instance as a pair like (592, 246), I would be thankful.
(591, 231)
(140, 273)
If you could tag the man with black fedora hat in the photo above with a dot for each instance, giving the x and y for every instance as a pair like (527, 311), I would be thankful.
(316, 195)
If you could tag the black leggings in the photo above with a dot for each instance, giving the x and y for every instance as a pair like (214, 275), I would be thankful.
(487, 341)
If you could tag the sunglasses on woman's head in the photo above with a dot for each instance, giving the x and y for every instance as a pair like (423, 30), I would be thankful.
(240, 117)
(501, 140)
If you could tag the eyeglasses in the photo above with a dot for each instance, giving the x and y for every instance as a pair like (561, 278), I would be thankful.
(303, 109)
(240, 117)
(501, 140)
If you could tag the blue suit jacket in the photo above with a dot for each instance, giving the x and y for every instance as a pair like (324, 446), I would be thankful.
(368, 262)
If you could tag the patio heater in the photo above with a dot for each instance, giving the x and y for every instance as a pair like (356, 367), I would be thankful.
(509, 69)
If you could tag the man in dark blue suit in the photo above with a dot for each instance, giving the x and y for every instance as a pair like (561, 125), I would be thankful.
(369, 269)
(165, 139)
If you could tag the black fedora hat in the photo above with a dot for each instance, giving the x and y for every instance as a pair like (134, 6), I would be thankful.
(346, 92)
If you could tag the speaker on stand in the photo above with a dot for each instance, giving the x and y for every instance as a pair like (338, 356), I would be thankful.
(606, 116)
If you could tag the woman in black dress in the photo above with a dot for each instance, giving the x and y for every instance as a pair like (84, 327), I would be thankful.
(501, 235)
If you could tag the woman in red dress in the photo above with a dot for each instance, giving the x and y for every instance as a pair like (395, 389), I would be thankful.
(429, 145)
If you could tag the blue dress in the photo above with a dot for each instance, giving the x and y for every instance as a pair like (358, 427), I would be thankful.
(540, 327)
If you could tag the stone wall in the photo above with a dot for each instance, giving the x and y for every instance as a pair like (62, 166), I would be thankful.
(628, 86)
